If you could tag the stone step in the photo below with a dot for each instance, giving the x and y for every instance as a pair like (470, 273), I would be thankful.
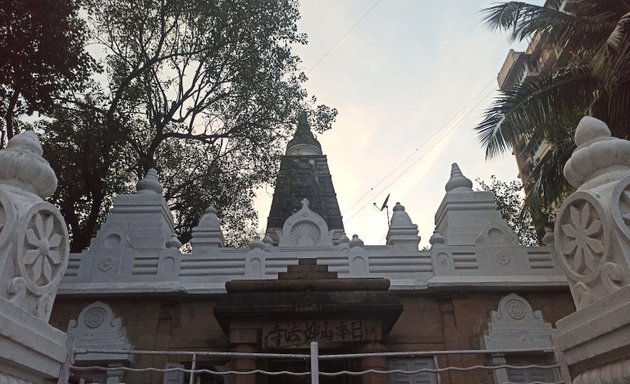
(306, 275)
(307, 268)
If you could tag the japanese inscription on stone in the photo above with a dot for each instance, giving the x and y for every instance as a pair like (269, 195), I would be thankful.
(279, 334)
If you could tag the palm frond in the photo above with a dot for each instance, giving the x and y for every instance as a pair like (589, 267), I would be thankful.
(545, 108)
(549, 186)
(562, 28)
(611, 63)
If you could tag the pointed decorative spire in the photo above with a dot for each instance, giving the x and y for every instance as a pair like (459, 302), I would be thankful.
(303, 142)
(464, 213)
(400, 217)
(256, 243)
(356, 242)
(402, 233)
(22, 166)
(173, 242)
(150, 183)
(267, 240)
(209, 218)
(436, 238)
(208, 233)
(303, 128)
(458, 182)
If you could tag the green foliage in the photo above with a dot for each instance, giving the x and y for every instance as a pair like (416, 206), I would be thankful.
(89, 168)
(42, 55)
(206, 92)
(591, 76)
(508, 196)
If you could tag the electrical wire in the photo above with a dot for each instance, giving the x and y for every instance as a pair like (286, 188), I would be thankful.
(343, 37)
(440, 135)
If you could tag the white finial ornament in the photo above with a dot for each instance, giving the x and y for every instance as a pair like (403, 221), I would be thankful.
(173, 242)
(256, 243)
(22, 166)
(436, 238)
(458, 182)
(599, 158)
(150, 183)
(356, 242)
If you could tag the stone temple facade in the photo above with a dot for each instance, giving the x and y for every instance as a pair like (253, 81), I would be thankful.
(474, 290)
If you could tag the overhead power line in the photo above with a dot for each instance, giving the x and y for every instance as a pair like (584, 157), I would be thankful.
(398, 171)
(343, 36)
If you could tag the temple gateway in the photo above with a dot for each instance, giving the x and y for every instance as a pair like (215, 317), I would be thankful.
(308, 303)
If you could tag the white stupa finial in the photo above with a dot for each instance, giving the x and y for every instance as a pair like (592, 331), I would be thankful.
(150, 183)
(458, 182)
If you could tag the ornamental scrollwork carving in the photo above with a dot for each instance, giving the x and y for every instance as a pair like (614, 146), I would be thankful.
(582, 238)
(621, 206)
(7, 218)
(17, 290)
(42, 248)
(44, 307)
(612, 276)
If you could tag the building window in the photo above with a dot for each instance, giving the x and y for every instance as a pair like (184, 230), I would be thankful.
(530, 375)
(413, 364)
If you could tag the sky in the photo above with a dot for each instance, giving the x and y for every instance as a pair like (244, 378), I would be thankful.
(410, 80)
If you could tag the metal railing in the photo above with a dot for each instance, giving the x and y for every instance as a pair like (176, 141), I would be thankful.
(558, 366)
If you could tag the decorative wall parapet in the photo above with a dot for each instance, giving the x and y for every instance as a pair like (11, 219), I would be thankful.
(483, 254)
(34, 252)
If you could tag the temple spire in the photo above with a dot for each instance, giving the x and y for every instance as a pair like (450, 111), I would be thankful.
(303, 142)
(304, 176)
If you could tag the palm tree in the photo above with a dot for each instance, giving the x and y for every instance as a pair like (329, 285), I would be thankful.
(590, 77)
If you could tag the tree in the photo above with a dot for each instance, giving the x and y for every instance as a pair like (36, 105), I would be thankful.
(89, 166)
(205, 92)
(591, 77)
(508, 196)
(42, 55)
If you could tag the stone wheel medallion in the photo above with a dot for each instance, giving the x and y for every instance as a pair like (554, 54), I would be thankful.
(42, 255)
(582, 237)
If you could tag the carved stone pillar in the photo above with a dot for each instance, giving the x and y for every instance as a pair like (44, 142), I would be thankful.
(592, 243)
(374, 362)
(34, 249)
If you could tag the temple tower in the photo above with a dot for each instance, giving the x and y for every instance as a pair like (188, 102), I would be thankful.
(304, 174)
